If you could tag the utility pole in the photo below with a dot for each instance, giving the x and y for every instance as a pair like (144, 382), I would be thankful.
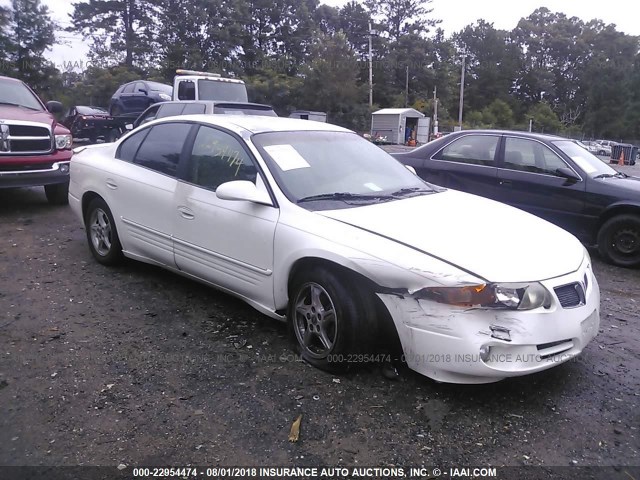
(406, 89)
(435, 112)
(370, 68)
(464, 57)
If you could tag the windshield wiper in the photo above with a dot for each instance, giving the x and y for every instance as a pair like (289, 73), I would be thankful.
(17, 105)
(345, 196)
(410, 190)
(611, 175)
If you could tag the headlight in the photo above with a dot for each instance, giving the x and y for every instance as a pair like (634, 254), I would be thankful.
(164, 96)
(63, 142)
(516, 296)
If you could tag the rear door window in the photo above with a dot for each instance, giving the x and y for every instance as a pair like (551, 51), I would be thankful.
(129, 147)
(471, 149)
(128, 88)
(170, 109)
(161, 149)
(193, 108)
(531, 156)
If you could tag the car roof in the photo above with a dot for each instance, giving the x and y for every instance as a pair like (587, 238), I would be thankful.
(17, 80)
(212, 103)
(539, 136)
(255, 123)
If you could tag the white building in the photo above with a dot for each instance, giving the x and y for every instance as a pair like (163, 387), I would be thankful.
(400, 124)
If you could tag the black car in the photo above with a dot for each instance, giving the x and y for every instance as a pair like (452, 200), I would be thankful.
(551, 177)
(169, 109)
(136, 97)
(86, 122)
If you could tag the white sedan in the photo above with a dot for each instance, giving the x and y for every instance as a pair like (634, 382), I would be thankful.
(313, 225)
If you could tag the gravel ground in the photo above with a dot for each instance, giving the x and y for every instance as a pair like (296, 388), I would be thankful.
(134, 365)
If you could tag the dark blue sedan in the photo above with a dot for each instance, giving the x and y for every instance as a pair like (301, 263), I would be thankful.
(551, 177)
(136, 97)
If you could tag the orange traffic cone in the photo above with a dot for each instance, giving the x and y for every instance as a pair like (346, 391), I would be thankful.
(621, 159)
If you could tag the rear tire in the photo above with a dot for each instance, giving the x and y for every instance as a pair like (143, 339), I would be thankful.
(102, 234)
(57, 194)
(331, 318)
(619, 240)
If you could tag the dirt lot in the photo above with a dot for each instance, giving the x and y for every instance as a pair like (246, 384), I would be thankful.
(138, 366)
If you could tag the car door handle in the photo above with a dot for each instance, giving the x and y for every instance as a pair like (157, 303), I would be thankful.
(111, 184)
(186, 213)
(505, 183)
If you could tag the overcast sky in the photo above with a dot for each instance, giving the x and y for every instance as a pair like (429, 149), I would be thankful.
(455, 15)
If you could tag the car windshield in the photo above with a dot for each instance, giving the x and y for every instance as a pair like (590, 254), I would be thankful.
(589, 163)
(90, 110)
(161, 87)
(221, 90)
(16, 93)
(328, 170)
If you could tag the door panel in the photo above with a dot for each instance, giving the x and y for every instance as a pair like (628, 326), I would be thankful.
(466, 164)
(229, 243)
(144, 189)
(528, 180)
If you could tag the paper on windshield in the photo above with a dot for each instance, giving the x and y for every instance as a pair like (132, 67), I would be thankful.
(286, 157)
(583, 164)
(373, 186)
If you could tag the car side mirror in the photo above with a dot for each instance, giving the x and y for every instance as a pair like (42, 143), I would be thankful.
(243, 190)
(569, 174)
(143, 91)
(411, 169)
(54, 107)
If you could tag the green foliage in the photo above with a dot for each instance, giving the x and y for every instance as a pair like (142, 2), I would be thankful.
(399, 17)
(544, 119)
(330, 82)
(26, 31)
(120, 30)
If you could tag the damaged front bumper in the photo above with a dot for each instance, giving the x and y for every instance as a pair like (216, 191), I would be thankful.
(480, 345)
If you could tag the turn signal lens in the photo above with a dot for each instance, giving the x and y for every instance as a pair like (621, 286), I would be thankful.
(519, 296)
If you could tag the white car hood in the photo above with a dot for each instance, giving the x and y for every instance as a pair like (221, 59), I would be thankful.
(490, 239)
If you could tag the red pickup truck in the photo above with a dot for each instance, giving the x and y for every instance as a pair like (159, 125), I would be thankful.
(34, 148)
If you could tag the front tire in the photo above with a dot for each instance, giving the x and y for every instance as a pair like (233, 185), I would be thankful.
(332, 319)
(619, 240)
(102, 234)
(57, 194)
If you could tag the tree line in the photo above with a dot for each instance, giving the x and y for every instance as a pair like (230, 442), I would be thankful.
(565, 75)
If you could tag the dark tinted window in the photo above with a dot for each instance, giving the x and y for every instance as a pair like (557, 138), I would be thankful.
(128, 88)
(148, 115)
(531, 156)
(161, 149)
(170, 109)
(129, 147)
(472, 149)
(194, 108)
(186, 90)
(218, 157)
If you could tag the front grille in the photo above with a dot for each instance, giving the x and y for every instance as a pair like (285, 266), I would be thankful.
(26, 168)
(28, 131)
(22, 138)
(571, 295)
(25, 146)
